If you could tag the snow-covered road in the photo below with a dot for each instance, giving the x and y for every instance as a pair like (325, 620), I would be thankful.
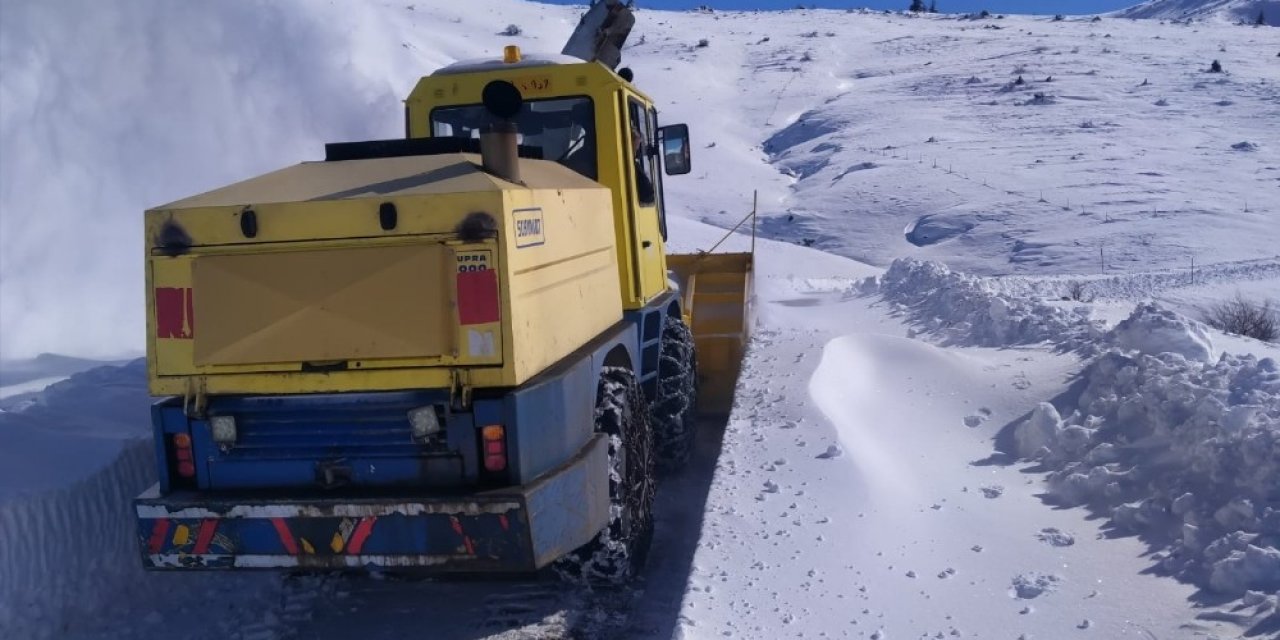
(863, 480)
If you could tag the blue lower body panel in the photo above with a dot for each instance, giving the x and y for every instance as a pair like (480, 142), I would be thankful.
(518, 529)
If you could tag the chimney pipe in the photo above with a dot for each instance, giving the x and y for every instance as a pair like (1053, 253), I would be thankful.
(498, 153)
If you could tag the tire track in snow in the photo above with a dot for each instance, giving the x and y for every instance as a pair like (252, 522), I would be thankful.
(515, 608)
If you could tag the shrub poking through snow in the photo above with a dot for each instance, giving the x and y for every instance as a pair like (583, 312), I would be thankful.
(1078, 291)
(512, 30)
(1243, 317)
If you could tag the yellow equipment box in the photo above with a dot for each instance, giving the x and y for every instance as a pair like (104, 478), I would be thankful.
(378, 274)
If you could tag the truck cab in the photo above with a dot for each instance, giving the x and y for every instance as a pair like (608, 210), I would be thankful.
(586, 117)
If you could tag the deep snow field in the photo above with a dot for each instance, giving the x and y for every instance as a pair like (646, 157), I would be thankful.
(928, 441)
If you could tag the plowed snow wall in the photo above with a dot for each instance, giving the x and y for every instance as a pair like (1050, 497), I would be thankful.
(70, 551)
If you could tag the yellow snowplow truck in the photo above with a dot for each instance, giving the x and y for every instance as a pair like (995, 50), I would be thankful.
(461, 351)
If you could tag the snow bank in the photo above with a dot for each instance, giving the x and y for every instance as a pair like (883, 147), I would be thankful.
(1167, 438)
(72, 552)
(70, 463)
(1178, 447)
(1152, 330)
(968, 310)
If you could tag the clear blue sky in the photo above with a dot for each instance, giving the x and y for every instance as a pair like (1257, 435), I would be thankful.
(948, 6)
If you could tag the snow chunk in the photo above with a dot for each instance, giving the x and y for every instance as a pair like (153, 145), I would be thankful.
(1056, 537)
(1032, 584)
(1038, 431)
(1253, 568)
(832, 451)
(1151, 329)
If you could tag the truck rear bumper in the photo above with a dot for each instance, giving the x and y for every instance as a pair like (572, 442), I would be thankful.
(517, 529)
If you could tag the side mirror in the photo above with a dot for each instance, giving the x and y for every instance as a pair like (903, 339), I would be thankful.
(674, 140)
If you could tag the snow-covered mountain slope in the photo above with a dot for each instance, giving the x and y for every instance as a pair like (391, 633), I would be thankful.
(868, 134)
(912, 136)
(1231, 11)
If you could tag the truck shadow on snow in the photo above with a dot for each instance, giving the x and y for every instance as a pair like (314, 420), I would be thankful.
(521, 607)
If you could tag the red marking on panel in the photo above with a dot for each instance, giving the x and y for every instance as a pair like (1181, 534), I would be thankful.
(502, 520)
(175, 313)
(205, 535)
(286, 537)
(360, 535)
(191, 312)
(159, 533)
(466, 540)
(478, 297)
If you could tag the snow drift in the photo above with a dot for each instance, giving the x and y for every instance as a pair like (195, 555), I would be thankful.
(70, 464)
(969, 310)
(1171, 443)
(1167, 438)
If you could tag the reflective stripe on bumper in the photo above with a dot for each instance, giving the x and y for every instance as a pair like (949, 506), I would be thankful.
(520, 529)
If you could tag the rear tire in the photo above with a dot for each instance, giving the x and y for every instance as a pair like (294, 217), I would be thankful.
(619, 550)
(674, 412)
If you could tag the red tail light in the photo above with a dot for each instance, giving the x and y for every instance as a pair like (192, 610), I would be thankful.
(182, 452)
(494, 438)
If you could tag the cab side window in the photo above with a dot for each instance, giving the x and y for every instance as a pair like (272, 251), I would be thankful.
(641, 136)
(655, 165)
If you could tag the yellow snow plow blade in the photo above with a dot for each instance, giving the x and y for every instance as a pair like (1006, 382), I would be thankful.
(716, 288)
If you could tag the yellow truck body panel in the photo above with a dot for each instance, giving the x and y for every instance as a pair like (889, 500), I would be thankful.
(322, 298)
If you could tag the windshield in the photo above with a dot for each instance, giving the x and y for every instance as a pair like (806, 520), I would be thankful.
(564, 128)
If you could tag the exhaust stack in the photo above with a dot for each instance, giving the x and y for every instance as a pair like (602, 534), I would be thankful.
(498, 151)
